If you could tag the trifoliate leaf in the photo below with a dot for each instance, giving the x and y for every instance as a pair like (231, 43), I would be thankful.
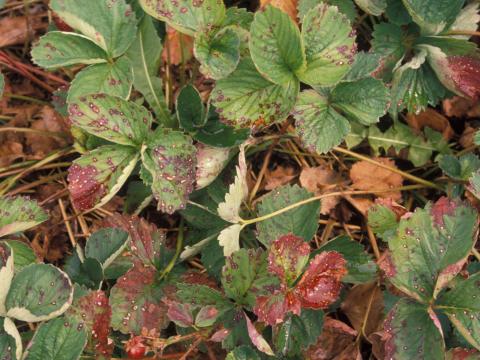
(275, 46)
(110, 78)
(170, 158)
(98, 175)
(301, 221)
(109, 24)
(329, 44)
(57, 49)
(10, 341)
(18, 214)
(218, 53)
(246, 99)
(187, 16)
(6, 273)
(372, 7)
(111, 118)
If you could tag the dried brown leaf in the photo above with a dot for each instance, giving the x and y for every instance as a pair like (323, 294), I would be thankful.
(461, 107)
(15, 30)
(321, 180)
(177, 47)
(281, 175)
(432, 119)
(287, 6)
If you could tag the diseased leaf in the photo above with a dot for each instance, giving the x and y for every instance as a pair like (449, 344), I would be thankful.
(39, 292)
(257, 339)
(346, 7)
(461, 354)
(110, 78)
(57, 339)
(301, 221)
(10, 341)
(246, 99)
(57, 49)
(18, 214)
(460, 168)
(210, 163)
(413, 332)
(97, 176)
(229, 239)
(275, 46)
(243, 353)
(287, 6)
(329, 44)
(105, 245)
(273, 308)
(467, 19)
(170, 158)
(110, 24)
(372, 7)
(24, 254)
(111, 118)
(383, 219)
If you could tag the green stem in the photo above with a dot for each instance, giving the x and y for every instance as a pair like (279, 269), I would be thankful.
(178, 250)
(464, 32)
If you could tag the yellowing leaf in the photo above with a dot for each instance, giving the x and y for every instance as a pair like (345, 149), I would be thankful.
(287, 6)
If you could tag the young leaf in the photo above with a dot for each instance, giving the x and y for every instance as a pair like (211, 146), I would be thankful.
(57, 339)
(462, 308)
(413, 332)
(18, 214)
(145, 57)
(430, 248)
(39, 292)
(246, 99)
(110, 78)
(329, 43)
(105, 245)
(190, 110)
(57, 49)
(218, 53)
(187, 16)
(170, 158)
(109, 24)
(275, 46)
(97, 176)
(372, 7)
(6, 273)
(111, 118)
(301, 221)
(11, 347)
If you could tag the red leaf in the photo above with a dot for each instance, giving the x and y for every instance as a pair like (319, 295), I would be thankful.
(320, 284)
(444, 206)
(180, 314)
(288, 257)
(257, 339)
(86, 191)
(273, 308)
(465, 74)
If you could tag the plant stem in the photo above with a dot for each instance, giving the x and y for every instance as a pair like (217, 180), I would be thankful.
(476, 253)
(464, 32)
(178, 250)
(392, 169)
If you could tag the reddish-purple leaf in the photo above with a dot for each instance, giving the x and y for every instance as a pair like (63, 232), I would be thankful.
(206, 316)
(444, 206)
(180, 314)
(220, 335)
(272, 309)
(465, 74)
(257, 339)
(288, 257)
(320, 284)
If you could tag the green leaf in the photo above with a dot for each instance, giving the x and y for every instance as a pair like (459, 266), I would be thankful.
(145, 55)
(111, 118)
(110, 78)
(372, 7)
(382, 220)
(57, 49)
(98, 175)
(2, 84)
(245, 276)
(24, 254)
(329, 43)
(10, 341)
(360, 265)
(297, 333)
(190, 110)
(433, 15)
(397, 13)
(366, 65)
(364, 100)
(430, 248)
(412, 333)
(18, 214)
(275, 46)
(475, 184)
(57, 339)
(243, 352)
(301, 221)
(187, 16)
(88, 273)
(462, 307)
(106, 244)
(245, 99)
(218, 53)
(318, 125)
(170, 159)
(460, 168)
(6, 273)
(39, 292)
(203, 295)
(109, 24)
(346, 7)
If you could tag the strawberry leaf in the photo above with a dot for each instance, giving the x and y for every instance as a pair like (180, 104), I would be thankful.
(272, 309)
(97, 176)
(57, 49)
(18, 214)
(105, 245)
(24, 254)
(246, 99)
(275, 46)
(11, 346)
(372, 7)
(243, 353)
(257, 339)
(346, 7)
(170, 158)
(109, 24)
(6, 273)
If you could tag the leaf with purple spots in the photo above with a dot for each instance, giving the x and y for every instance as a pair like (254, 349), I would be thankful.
(171, 159)
(111, 118)
(114, 79)
(57, 49)
(98, 175)
(18, 214)
(329, 44)
(110, 24)
(187, 16)
(245, 99)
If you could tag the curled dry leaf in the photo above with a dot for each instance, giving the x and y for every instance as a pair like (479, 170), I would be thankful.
(461, 107)
(371, 177)
(321, 180)
(432, 119)
(281, 175)
(15, 30)
(178, 47)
